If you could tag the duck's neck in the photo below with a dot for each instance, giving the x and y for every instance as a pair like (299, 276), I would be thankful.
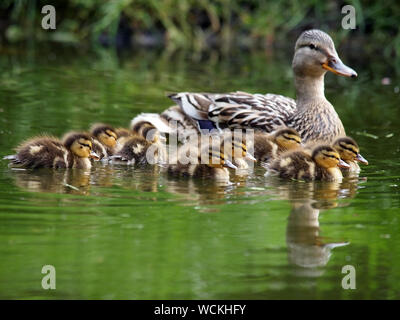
(309, 89)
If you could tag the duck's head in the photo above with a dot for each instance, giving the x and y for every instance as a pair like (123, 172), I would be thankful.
(327, 157)
(80, 144)
(215, 158)
(349, 150)
(315, 54)
(105, 134)
(287, 139)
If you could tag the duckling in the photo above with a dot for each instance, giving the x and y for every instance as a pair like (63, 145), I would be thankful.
(235, 149)
(210, 162)
(146, 130)
(104, 139)
(321, 164)
(73, 151)
(268, 146)
(349, 153)
(122, 132)
(137, 150)
(133, 145)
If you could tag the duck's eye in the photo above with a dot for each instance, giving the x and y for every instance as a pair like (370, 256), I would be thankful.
(312, 46)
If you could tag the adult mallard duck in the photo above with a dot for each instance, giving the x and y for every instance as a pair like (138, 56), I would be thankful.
(73, 151)
(311, 114)
(321, 164)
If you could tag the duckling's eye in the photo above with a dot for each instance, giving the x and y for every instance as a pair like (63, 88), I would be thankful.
(290, 138)
(312, 46)
(86, 145)
(330, 156)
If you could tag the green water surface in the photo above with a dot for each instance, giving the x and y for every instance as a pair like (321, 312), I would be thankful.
(134, 233)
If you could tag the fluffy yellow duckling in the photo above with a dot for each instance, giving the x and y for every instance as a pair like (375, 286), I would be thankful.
(104, 139)
(210, 162)
(73, 151)
(268, 146)
(322, 164)
(349, 153)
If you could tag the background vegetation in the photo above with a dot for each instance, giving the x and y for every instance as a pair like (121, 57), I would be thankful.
(199, 24)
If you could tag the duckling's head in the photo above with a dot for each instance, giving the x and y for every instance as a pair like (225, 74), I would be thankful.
(236, 148)
(327, 157)
(147, 130)
(105, 134)
(349, 150)
(80, 144)
(315, 54)
(215, 158)
(287, 139)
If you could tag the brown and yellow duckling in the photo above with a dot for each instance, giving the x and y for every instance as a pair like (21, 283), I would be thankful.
(104, 139)
(136, 150)
(210, 162)
(73, 151)
(268, 146)
(349, 153)
(321, 164)
(235, 149)
(141, 145)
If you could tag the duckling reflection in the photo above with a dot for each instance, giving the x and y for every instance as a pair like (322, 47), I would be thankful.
(308, 251)
(198, 193)
(54, 181)
(306, 248)
(144, 179)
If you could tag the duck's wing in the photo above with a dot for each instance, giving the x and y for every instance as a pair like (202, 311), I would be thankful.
(236, 109)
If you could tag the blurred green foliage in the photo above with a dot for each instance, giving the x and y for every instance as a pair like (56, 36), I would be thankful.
(197, 23)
